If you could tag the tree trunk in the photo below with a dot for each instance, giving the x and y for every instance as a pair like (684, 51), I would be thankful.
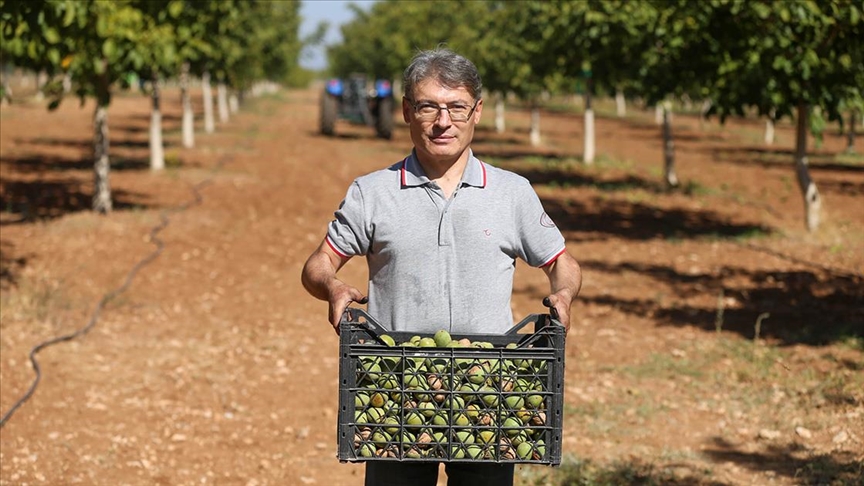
(222, 101)
(620, 104)
(658, 113)
(157, 152)
(812, 201)
(7, 86)
(850, 137)
(769, 127)
(233, 103)
(102, 166)
(588, 153)
(668, 149)
(499, 113)
(209, 123)
(703, 113)
(188, 124)
(41, 81)
(535, 125)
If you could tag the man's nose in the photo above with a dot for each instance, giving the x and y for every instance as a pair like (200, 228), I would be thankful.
(443, 119)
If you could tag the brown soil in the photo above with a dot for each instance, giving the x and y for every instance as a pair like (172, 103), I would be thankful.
(215, 366)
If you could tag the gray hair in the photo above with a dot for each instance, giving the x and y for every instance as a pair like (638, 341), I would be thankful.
(444, 66)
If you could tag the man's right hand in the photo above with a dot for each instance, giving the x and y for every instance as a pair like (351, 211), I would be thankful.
(319, 279)
(340, 296)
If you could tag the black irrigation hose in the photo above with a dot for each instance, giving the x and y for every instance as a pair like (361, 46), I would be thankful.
(160, 245)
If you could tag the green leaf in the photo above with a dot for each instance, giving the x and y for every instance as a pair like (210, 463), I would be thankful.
(175, 8)
(109, 48)
(53, 56)
(51, 35)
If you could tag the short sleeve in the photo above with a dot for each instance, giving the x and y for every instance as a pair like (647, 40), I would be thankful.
(347, 234)
(540, 241)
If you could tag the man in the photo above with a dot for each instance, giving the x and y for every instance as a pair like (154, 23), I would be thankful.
(441, 232)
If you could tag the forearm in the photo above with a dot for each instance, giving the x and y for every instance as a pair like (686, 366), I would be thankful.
(565, 280)
(565, 277)
(319, 279)
(319, 275)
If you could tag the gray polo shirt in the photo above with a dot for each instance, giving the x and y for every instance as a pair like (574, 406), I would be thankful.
(443, 264)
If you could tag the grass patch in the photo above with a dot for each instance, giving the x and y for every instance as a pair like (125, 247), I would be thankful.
(852, 159)
(34, 300)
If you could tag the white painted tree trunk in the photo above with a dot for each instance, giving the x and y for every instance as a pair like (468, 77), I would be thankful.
(588, 156)
(67, 82)
(620, 104)
(535, 126)
(207, 93)
(500, 123)
(41, 81)
(101, 166)
(157, 150)
(233, 103)
(812, 200)
(222, 101)
(769, 129)
(188, 120)
(703, 112)
(668, 149)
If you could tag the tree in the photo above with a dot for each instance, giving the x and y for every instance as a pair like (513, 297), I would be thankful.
(789, 57)
(381, 43)
(594, 41)
(98, 42)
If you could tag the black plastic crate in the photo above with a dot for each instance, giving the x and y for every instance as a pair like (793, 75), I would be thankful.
(451, 404)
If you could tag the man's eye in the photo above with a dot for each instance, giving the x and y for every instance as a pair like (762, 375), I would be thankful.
(427, 109)
(458, 109)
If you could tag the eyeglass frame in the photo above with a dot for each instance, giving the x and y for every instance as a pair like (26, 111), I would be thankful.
(441, 108)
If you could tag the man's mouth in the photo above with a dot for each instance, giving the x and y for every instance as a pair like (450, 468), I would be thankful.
(442, 138)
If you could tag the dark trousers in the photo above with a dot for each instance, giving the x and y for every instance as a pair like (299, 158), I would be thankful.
(426, 474)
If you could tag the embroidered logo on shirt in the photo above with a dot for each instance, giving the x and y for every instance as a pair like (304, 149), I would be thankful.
(546, 221)
(487, 232)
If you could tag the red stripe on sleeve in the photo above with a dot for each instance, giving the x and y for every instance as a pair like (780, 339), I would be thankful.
(549, 261)
(336, 250)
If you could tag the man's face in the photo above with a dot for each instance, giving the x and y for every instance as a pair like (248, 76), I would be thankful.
(441, 139)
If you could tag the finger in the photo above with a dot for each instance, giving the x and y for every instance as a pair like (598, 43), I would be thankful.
(553, 311)
(363, 300)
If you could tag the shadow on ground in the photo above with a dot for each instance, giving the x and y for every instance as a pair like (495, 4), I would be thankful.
(10, 265)
(45, 200)
(631, 220)
(786, 460)
(626, 473)
(807, 307)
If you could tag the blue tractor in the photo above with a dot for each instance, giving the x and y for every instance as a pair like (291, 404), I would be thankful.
(360, 101)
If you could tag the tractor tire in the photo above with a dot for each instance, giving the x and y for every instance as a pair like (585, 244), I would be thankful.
(384, 118)
(329, 113)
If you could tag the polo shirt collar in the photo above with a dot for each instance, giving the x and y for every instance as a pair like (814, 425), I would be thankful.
(412, 175)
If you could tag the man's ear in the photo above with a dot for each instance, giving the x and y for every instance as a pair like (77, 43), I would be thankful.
(477, 111)
(406, 110)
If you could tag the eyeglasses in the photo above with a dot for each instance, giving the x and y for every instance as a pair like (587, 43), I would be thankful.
(459, 112)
